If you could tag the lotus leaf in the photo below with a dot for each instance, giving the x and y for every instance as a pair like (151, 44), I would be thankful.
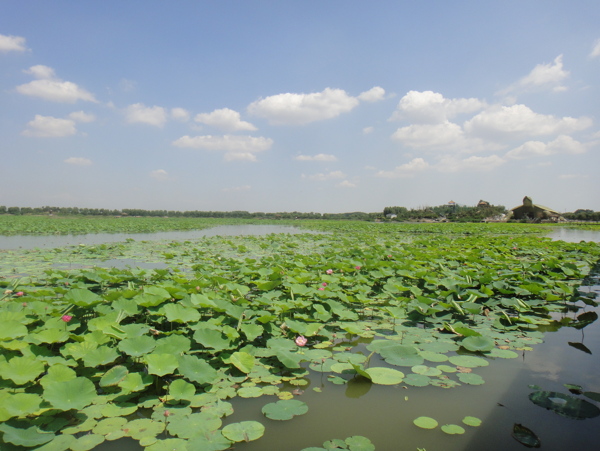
(53, 335)
(137, 346)
(143, 428)
(59, 443)
(359, 443)
(169, 444)
(118, 410)
(10, 330)
(592, 395)
(82, 297)
(108, 426)
(252, 331)
(425, 422)
(135, 382)
(28, 437)
(210, 338)
(196, 370)
(384, 376)
(478, 343)
(525, 436)
(471, 421)
(565, 405)
(194, 425)
(173, 344)
(87, 442)
(284, 410)
(470, 378)
(417, 380)
(426, 370)
(452, 429)
(250, 392)
(180, 314)
(102, 355)
(180, 389)
(21, 369)
(209, 442)
(161, 364)
(71, 394)
(22, 404)
(113, 376)
(468, 361)
(242, 361)
(244, 431)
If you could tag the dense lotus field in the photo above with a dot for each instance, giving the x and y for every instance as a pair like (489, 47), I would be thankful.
(95, 351)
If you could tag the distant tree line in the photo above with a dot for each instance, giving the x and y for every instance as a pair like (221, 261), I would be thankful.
(75, 211)
(583, 215)
(449, 212)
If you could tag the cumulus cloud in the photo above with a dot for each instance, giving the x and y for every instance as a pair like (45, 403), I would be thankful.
(300, 109)
(160, 174)
(446, 134)
(542, 77)
(562, 144)
(237, 189)
(318, 157)
(368, 130)
(235, 147)
(180, 114)
(12, 44)
(430, 107)
(322, 177)
(518, 121)
(48, 87)
(78, 161)
(374, 94)
(595, 49)
(81, 116)
(474, 163)
(50, 127)
(346, 184)
(225, 119)
(409, 169)
(140, 113)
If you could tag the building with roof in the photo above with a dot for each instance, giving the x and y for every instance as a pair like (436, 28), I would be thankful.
(532, 212)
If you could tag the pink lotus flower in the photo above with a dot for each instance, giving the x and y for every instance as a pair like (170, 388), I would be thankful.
(324, 284)
(321, 289)
(19, 293)
(67, 318)
(357, 268)
(301, 340)
(329, 271)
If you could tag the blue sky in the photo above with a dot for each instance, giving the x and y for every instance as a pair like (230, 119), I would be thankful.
(324, 106)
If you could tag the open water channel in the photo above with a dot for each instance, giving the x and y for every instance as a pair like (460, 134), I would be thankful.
(384, 414)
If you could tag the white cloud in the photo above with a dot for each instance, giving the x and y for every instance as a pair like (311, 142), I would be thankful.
(446, 134)
(595, 50)
(236, 147)
(237, 189)
(160, 174)
(322, 177)
(50, 127)
(519, 121)
(432, 107)
(405, 170)
(12, 44)
(180, 114)
(139, 113)
(542, 76)
(78, 161)
(81, 116)
(318, 157)
(572, 176)
(54, 89)
(368, 130)
(40, 71)
(127, 85)
(300, 109)
(474, 163)
(225, 119)
(562, 144)
(346, 184)
(372, 95)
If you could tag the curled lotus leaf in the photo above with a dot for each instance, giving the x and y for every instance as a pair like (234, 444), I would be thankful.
(113, 376)
(525, 436)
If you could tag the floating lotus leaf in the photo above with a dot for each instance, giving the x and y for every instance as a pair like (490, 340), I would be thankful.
(79, 350)
(565, 405)
(242, 361)
(137, 346)
(288, 358)
(72, 394)
(470, 378)
(478, 343)
(135, 382)
(250, 392)
(87, 442)
(113, 376)
(28, 437)
(209, 442)
(323, 367)
(161, 364)
(180, 314)
(213, 339)
(109, 425)
(525, 436)
(194, 425)
(21, 369)
(59, 443)
(119, 410)
(173, 344)
(434, 356)
(180, 389)
(440, 346)
(425, 423)
(468, 361)
(503, 353)
(244, 431)
(102, 355)
(426, 370)
(169, 444)
(142, 428)
(10, 330)
(196, 370)
(284, 410)
(384, 376)
(453, 429)
(416, 380)
(471, 421)
(22, 404)
(82, 297)
(53, 335)
(252, 331)
(592, 395)
(446, 368)
(401, 355)
(359, 443)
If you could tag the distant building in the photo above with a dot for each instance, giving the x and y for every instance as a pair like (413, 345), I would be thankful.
(483, 203)
(535, 213)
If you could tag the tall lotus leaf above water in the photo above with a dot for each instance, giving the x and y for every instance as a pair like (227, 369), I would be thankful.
(21, 369)
(113, 376)
(29, 437)
(196, 370)
(22, 404)
(173, 344)
(210, 338)
(161, 364)
(53, 335)
(137, 346)
(100, 356)
(242, 361)
(180, 314)
(180, 389)
(73, 394)
(10, 330)
(82, 297)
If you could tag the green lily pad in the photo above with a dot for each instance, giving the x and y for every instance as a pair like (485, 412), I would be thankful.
(468, 361)
(102, 355)
(11, 329)
(425, 422)
(471, 421)
(180, 389)
(416, 380)
(194, 425)
(284, 410)
(565, 405)
(196, 370)
(87, 442)
(212, 339)
(72, 394)
(21, 369)
(135, 382)
(453, 429)
(385, 376)
(212, 441)
(22, 404)
(109, 425)
(113, 376)
(82, 297)
(28, 437)
(161, 364)
(470, 378)
(359, 443)
(242, 361)
(426, 370)
(244, 431)
(250, 392)
(478, 343)
(143, 428)
(137, 346)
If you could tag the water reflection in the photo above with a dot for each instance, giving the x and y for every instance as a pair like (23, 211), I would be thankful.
(574, 235)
